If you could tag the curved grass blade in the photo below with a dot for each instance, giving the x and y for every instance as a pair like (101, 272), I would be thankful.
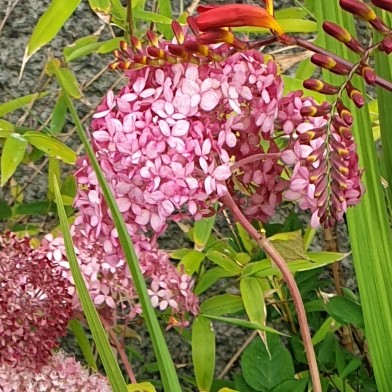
(108, 359)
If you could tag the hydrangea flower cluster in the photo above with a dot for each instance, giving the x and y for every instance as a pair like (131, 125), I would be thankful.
(62, 373)
(35, 306)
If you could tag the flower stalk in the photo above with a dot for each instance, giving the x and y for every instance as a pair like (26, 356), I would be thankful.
(273, 254)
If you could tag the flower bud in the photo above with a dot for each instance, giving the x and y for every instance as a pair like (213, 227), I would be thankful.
(358, 8)
(355, 95)
(344, 113)
(312, 133)
(178, 33)
(342, 35)
(152, 37)
(316, 111)
(135, 42)
(321, 87)
(322, 184)
(191, 21)
(383, 4)
(386, 45)
(330, 64)
(367, 73)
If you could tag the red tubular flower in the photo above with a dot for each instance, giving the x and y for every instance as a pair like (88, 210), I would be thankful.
(236, 15)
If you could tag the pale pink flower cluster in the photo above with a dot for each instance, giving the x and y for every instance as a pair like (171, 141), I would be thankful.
(35, 306)
(62, 373)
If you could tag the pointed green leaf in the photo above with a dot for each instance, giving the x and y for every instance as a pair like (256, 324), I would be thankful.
(53, 172)
(84, 343)
(253, 299)
(69, 82)
(82, 47)
(191, 262)
(6, 128)
(223, 261)
(50, 146)
(50, 23)
(289, 26)
(203, 352)
(202, 230)
(18, 103)
(151, 17)
(290, 13)
(222, 304)
(165, 9)
(12, 155)
(5, 210)
(101, 6)
(110, 45)
(328, 326)
(35, 208)
(345, 311)
(105, 351)
(210, 277)
(58, 117)
(141, 387)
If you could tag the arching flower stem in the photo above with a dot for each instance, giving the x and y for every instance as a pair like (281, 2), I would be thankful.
(262, 240)
(253, 158)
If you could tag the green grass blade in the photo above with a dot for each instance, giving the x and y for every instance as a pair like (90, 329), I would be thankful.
(108, 359)
(84, 343)
(167, 370)
(370, 235)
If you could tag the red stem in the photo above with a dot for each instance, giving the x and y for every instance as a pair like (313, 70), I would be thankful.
(262, 240)
(255, 157)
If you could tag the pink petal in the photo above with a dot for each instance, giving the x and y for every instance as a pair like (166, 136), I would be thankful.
(181, 128)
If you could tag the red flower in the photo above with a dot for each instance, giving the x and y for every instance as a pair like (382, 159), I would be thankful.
(235, 15)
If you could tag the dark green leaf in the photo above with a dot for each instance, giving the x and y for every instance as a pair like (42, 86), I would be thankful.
(36, 208)
(326, 352)
(351, 367)
(345, 311)
(292, 386)
(69, 187)
(58, 117)
(241, 385)
(222, 304)
(292, 223)
(5, 210)
(265, 370)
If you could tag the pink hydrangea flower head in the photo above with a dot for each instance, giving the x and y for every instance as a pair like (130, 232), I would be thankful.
(61, 374)
(35, 306)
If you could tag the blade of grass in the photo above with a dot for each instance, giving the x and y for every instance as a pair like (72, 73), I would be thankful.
(167, 370)
(108, 359)
(370, 235)
(84, 343)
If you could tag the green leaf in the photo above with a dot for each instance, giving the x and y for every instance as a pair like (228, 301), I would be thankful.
(50, 146)
(328, 326)
(84, 343)
(290, 13)
(326, 352)
(18, 103)
(108, 359)
(222, 304)
(352, 366)
(69, 187)
(6, 128)
(253, 299)
(5, 210)
(241, 385)
(288, 25)
(54, 171)
(49, 25)
(223, 261)
(203, 352)
(210, 277)
(340, 384)
(168, 375)
(58, 117)
(82, 47)
(289, 245)
(263, 370)
(100, 6)
(345, 311)
(69, 82)
(141, 387)
(151, 17)
(243, 323)
(26, 229)
(250, 245)
(110, 45)
(191, 262)
(292, 386)
(12, 155)
(165, 9)
(202, 230)
(36, 208)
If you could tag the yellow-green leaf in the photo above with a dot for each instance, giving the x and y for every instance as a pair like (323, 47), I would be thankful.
(17, 103)
(191, 262)
(6, 128)
(51, 146)
(49, 25)
(100, 6)
(110, 45)
(227, 390)
(69, 82)
(12, 155)
(222, 304)
(253, 298)
(53, 172)
(290, 245)
(151, 16)
(288, 25)
(82, 47)
(141, 387)
(203, 352)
